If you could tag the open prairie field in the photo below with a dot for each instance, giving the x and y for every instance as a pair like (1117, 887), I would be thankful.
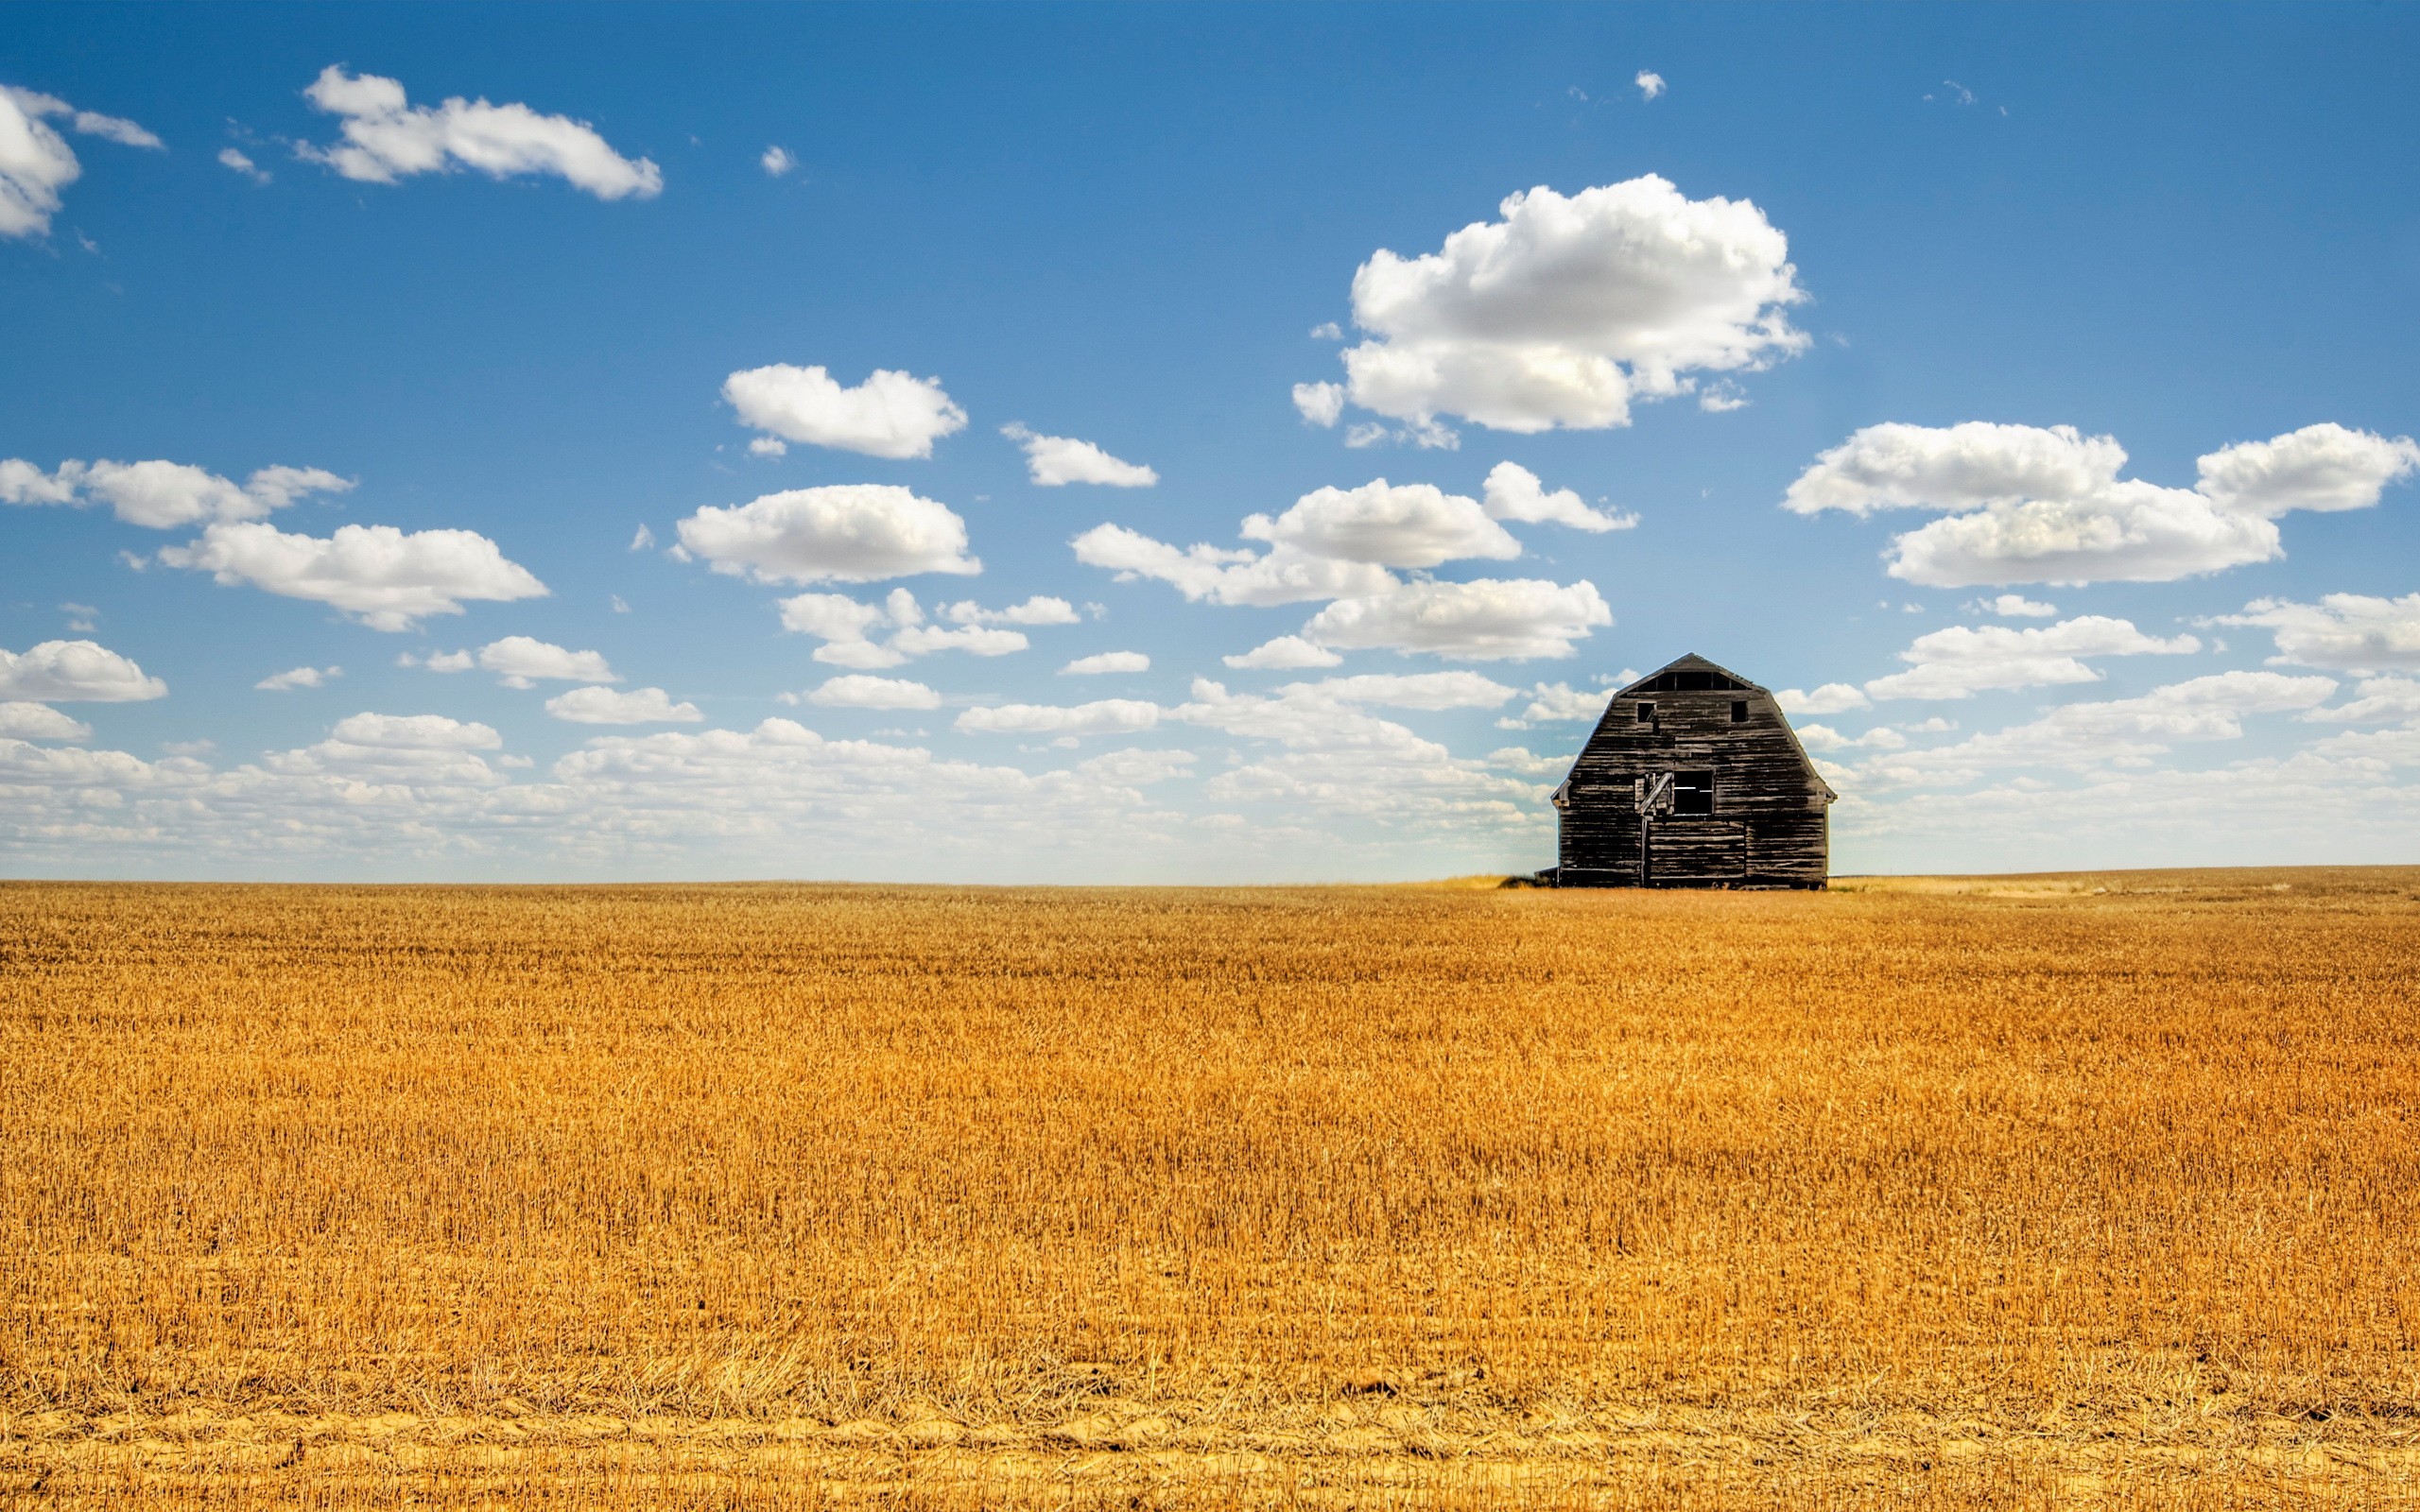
(2019, 1192)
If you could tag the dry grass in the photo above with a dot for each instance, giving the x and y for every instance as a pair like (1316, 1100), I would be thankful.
(1984, 1191)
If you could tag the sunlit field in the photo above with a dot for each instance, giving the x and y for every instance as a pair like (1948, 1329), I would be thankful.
(2013, 1191)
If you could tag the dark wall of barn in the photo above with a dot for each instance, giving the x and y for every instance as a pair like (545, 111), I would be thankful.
(1769, 826)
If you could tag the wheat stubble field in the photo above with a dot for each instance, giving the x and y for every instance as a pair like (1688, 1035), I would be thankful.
(1994, 1193)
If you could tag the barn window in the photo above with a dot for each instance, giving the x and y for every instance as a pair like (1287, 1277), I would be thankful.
(1738, 710)
(1692, 792)
(1646, 713)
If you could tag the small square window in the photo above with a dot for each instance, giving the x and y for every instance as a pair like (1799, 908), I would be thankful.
(1646, 713)
(1738, 710)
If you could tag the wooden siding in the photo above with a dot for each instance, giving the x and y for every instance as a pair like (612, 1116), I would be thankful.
(1768, 828)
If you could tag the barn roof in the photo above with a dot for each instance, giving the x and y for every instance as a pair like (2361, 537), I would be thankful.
(1694, 662)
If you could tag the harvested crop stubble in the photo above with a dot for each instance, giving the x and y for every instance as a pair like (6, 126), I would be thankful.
(2005, 1191)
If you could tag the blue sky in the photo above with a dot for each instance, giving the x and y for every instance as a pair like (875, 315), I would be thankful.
(1778, 348)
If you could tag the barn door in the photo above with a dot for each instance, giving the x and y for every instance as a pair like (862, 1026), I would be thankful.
(1697, 852)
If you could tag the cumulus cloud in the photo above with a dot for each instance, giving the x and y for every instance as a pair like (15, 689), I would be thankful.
(388, 138)
(1286, 653)
(1105, 661)
(74, 672)
(414, 733)
(1558, 703)
(36, 163)
(892, 413)
(845, 532)
(163, 495)
(2349, 632)
(2124, 731)
(1568, 308)
(21, 720)
(1831, 699)
(2379, 700)
(1039, 609)
(1431, 691)
(1963, 661)
(1486, 620)
(1411, 525)
(520, 661)
(616, 706)
(2025, 503)
(299, 678)
(1054, 460)
(1322, 405)
(847, 627)
(1103, 717)
(1824, 738)
(776, 161)
(2014, 606)
(383, 577)
(1513, 493)
(857, 691)
(1217, 575)
(1649, 85)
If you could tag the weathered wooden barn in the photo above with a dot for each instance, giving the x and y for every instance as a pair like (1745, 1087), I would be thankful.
(1693, 778)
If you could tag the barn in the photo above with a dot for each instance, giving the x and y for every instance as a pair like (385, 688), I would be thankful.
(1693, 778)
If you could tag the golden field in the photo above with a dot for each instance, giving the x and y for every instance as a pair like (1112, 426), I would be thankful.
(2026, 1191)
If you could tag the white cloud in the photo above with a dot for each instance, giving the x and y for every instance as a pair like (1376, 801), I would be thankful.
(1824, 738)
(1286, 653)
(229, 157)
(1558, 703)
(299, 678)
(1527, 762)
(2350, 632)
(521, 660)
(857, 691)
(74, 672)
(21, 720)
(414, 733)
(36, 163)
(1411, 525)
(1327, 331)
(1105, 661)
(2325, 467)
(439, 660)
(1102, 716)
(1568, 308)
(1964, 660)
(2381, 701)
(1039, 609)
(2124, 731)
(846, 628)
(1431, 691)
(161, 495)
(892, 413)
(1513, 493)
(1487, 620)
(2014, 606)
(1322, 405)
(387, 138)
(845, 532)
(1831, 699)
(616, 706)
(1054, 460)
(2032, 505)
(776, 161)
(767, 446)
(1227, 577)
(1137, 767)
(642, 539)
(1649, 85)
(978, 639)
(381, 576)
